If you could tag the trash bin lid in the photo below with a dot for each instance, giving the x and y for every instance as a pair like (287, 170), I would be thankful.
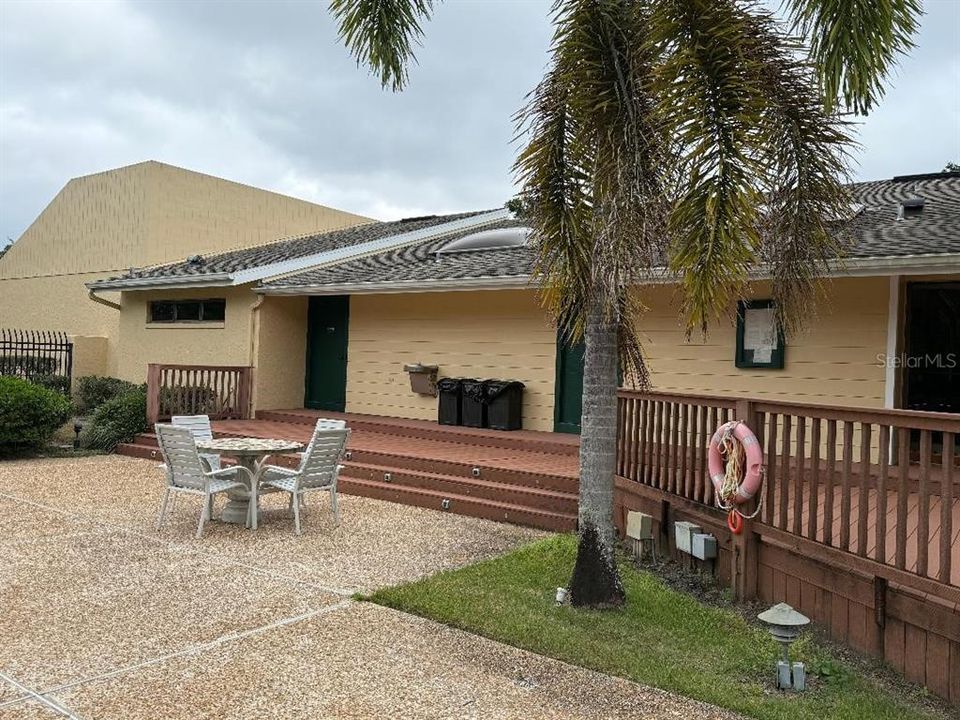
(449, 383)
(495, 388)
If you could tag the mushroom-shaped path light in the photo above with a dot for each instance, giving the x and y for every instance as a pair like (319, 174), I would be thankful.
(785, 624)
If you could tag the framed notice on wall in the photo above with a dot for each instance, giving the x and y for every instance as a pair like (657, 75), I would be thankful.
(759, 337)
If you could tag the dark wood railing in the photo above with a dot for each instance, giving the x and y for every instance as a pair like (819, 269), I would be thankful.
(883, 485)
(222, 392)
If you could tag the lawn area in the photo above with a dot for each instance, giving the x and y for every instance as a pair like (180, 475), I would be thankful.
(663, 638)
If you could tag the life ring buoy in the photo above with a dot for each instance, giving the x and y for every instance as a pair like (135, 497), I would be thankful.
(730, 494)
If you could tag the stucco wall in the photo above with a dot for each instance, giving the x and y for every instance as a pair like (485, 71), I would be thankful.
(89, 355)
(501, 334)
(281, 353)
(832, 361)
(100, 225)
(226, 343)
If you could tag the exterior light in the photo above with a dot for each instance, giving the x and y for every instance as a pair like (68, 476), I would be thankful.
(77, 427)
(784, 624)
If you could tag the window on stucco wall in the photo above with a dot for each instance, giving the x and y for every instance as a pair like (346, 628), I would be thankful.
(186, 311)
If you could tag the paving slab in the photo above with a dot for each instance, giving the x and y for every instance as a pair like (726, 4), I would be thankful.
(82, 604)
(366, 661)
(30, 710)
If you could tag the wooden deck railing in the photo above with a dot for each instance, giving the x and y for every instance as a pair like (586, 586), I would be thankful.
(883, 485)
(222, 392)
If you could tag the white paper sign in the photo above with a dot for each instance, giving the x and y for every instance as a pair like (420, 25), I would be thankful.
(760, 333)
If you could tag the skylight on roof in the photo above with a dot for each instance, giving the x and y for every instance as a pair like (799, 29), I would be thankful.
(498, 239)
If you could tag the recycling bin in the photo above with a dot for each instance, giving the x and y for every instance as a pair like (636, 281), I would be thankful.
(504, 401)
(450, 406)
(474, 403)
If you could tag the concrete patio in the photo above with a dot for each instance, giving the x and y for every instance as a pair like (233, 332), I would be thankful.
(105, 617)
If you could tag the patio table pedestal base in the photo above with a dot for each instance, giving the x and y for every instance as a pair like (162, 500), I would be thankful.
(238, 503)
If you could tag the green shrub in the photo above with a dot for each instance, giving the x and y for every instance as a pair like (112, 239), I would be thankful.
(197, 400)
(57, 383)
(29, 415)
(93, 391)
(116, 421)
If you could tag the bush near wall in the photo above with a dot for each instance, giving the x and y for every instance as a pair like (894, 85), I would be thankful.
(116, 421)
(94, 390)
(29, 415)
(58, 383)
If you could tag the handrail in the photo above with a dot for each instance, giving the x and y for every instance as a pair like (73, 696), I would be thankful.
(219, 391)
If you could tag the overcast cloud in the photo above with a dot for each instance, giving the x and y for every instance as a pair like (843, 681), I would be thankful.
(263, 93)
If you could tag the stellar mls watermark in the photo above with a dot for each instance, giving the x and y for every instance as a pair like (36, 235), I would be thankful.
(940, 361)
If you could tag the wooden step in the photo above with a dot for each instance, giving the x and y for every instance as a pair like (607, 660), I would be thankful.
(553, 443)
(521, 496)
(459, 504)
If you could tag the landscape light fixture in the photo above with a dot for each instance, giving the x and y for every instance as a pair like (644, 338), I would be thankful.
(784, 624)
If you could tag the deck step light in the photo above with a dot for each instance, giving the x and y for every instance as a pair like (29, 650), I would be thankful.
(785, 624)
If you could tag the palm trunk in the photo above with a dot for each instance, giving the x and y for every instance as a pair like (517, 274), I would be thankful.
(596, 582)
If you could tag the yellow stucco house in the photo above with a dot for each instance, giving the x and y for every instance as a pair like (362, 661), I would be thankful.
(141, 215)
(330, 319)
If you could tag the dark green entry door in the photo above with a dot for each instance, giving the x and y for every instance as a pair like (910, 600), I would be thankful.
(568, 389)
(328, 321)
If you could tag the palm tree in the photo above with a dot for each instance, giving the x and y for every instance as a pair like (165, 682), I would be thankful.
(697, 138)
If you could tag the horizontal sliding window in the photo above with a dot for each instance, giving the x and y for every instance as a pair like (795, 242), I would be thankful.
(172, 311)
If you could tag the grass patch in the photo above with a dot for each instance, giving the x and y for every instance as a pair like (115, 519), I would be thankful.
(662, 638)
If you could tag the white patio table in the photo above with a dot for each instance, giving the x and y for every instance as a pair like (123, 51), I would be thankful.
(248, 452)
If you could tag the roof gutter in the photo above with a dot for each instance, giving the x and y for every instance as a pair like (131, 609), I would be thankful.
(853, 267)
(168, 283)
(403, 286)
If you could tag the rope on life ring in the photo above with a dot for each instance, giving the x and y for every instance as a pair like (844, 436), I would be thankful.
(728, 450)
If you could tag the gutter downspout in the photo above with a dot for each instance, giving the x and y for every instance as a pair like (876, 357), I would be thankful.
(255, 346)
(92, 294)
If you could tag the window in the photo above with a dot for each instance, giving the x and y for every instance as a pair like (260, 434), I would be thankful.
(759, 338)
(172, 311)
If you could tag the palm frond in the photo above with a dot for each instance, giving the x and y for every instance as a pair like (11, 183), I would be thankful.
(381, 34)
(855, 44)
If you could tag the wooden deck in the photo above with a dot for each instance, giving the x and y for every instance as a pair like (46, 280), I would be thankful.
(523, 476)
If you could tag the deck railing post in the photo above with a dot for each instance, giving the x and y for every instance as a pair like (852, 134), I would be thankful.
(153, 394)
(745, 555)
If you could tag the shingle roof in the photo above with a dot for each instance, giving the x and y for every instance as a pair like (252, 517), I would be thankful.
(293, 248)
(876, 233)
(420, 262)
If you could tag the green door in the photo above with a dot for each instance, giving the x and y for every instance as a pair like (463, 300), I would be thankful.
(568, 389)
(328, 322)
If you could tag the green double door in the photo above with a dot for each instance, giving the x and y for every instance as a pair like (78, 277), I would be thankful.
(328, 323)
(568, 387)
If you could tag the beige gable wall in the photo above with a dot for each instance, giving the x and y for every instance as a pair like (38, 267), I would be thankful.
(832, 361)
(99, 225)
(502, 334)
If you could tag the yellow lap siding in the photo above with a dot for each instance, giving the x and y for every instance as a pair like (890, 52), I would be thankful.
(834, 360)
(502, 334)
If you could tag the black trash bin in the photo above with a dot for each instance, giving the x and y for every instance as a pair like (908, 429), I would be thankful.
(474, 405)
(450, 411)
(504, 404)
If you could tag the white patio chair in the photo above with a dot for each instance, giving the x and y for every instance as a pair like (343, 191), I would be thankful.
(319, 470)
(321, 424)
(186, 473)
(199, 427)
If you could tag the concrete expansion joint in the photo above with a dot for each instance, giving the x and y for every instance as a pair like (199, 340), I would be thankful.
(183, 548)
(49, 700)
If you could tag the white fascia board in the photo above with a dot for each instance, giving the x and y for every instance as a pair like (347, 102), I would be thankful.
(390, 242)
(166, 282)
(406, 286)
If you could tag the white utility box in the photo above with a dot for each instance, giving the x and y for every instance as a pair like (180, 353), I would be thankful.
(683, 535)
(703, 546)
(639, 526)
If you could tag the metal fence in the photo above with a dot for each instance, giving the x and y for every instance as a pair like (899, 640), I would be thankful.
(41, 356)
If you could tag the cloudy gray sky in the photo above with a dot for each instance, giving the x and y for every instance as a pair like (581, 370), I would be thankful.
(263, 93)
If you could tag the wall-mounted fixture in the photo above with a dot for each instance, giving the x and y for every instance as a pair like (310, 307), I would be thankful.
(423, 378)
(683, 535)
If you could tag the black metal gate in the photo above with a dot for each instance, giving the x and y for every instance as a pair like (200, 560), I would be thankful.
(41, 356)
